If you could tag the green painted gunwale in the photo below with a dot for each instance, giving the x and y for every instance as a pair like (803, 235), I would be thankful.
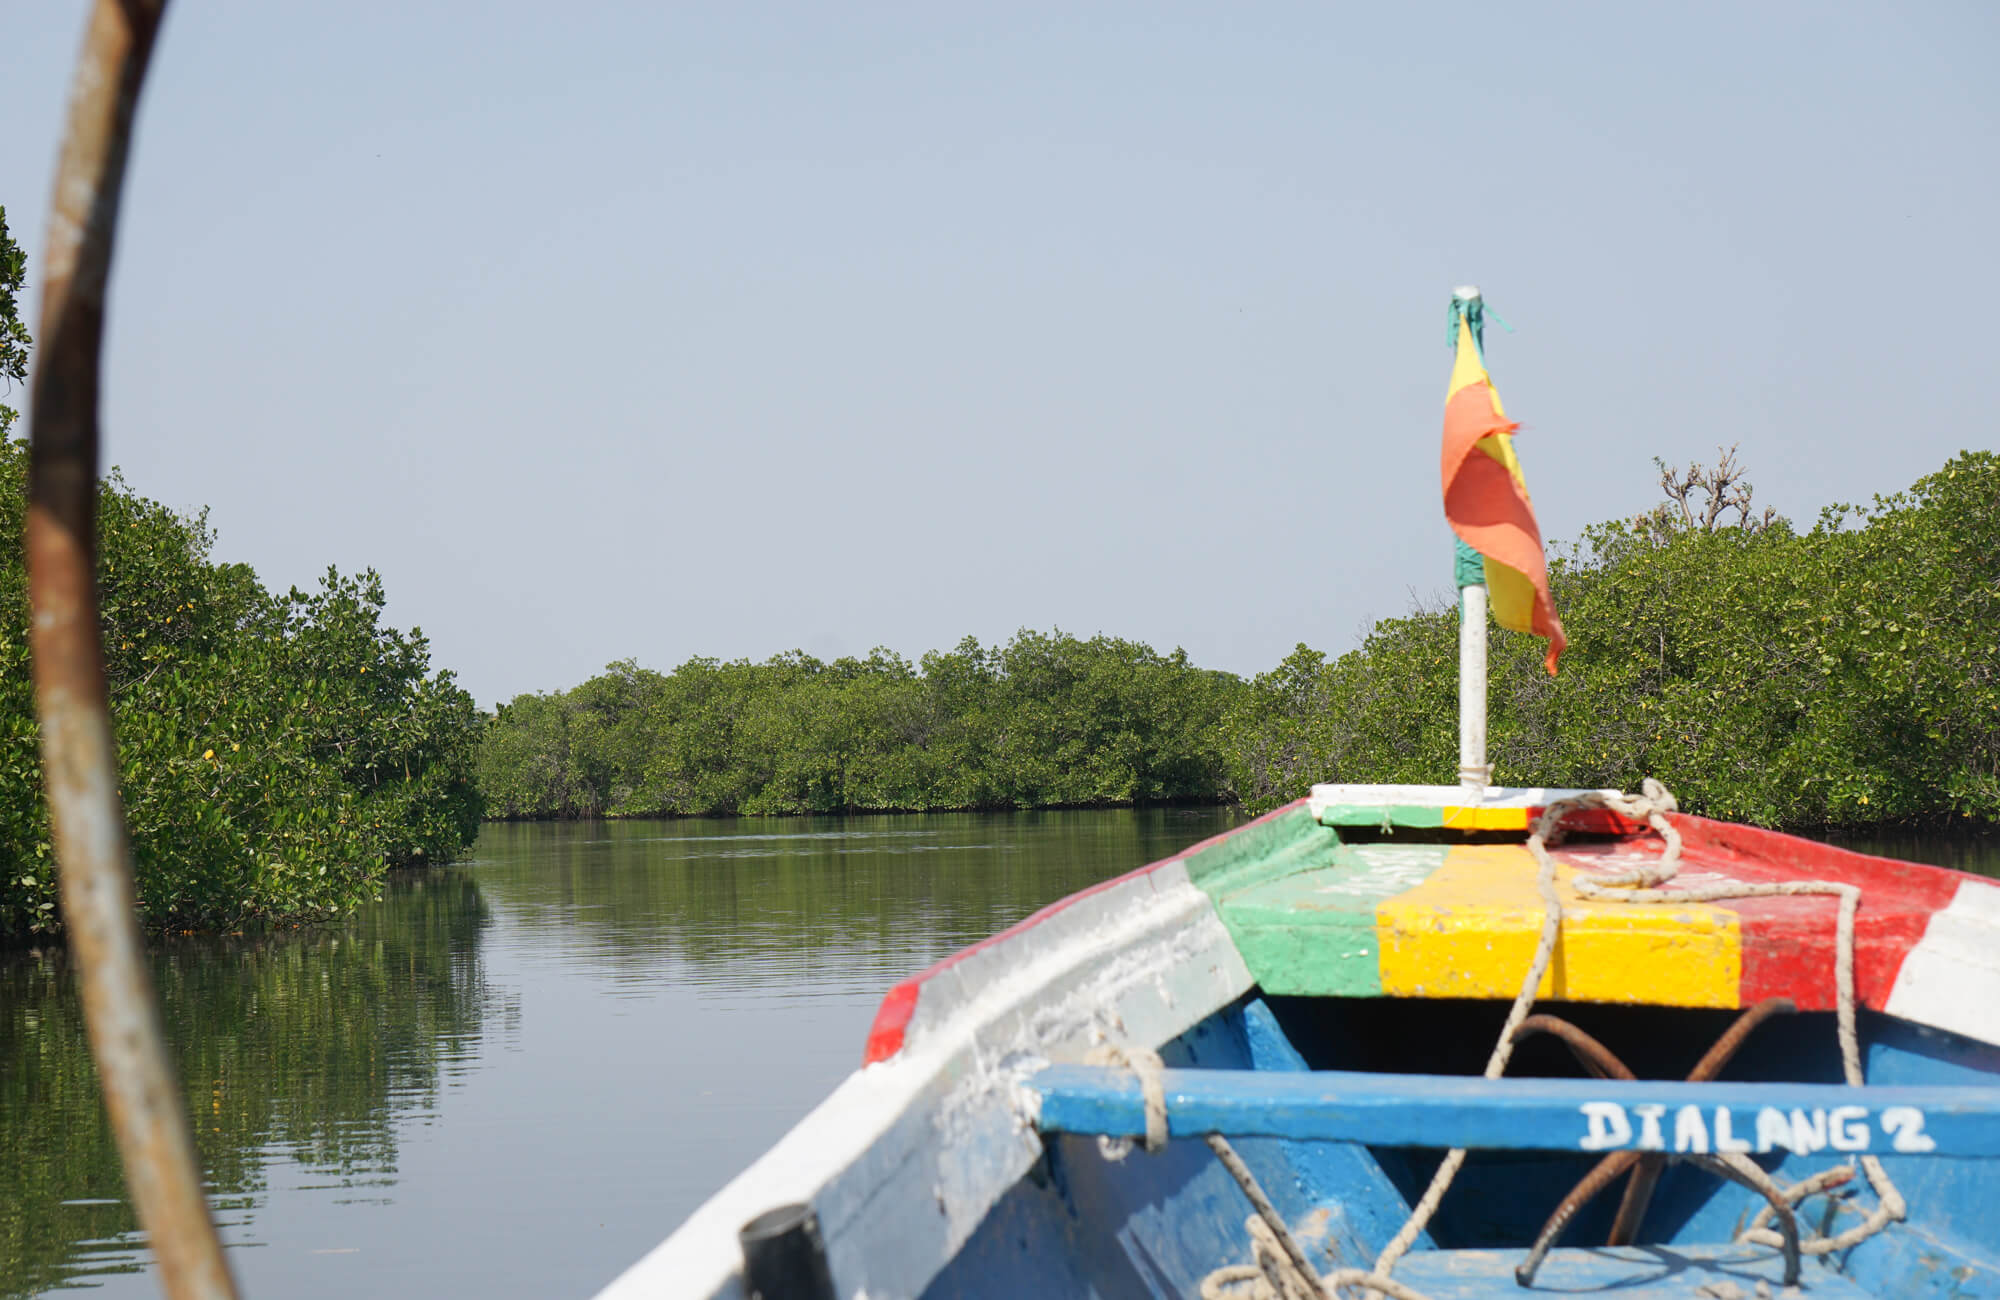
(1300, 905)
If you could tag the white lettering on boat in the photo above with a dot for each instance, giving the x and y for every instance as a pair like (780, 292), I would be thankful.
(1800, 1131)
(1608, 1126)
(1905, 1124)
(1773, 1129)
(1690, 1133)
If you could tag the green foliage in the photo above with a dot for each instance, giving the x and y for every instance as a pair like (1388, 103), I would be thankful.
(13, 334)
(1387, 711)
(278, 752)
(1842, 676)
(1044, 721)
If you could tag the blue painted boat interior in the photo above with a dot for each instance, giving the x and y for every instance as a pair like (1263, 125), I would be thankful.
(1156, 1224)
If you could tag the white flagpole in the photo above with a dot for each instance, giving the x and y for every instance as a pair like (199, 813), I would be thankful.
(1473, 773)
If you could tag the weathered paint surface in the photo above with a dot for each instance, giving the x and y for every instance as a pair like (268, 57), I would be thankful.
(1951, 978)
(1787, 941)
(1435, 920)
(1156, 1225)
(1312, 929)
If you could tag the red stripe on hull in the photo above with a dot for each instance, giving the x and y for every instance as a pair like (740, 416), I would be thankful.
(885, 1036)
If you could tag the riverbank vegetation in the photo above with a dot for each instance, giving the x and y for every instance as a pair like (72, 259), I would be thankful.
(1839, 675)
(1047, 720)
(279, 751)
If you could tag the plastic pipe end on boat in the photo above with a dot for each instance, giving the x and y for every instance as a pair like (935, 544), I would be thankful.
(784, 1256)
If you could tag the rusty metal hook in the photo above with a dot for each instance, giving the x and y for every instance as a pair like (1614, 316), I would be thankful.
(1591, 1054)
(1644, 1166)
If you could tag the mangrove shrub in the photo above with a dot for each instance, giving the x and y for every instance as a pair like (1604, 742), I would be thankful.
(278, 752)
(1046, 720)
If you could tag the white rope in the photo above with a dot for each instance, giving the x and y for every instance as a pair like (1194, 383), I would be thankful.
(1146, 1063)
(1281, 1270)
(1296, 1266)
(1890, 1208)
(1271, 1276)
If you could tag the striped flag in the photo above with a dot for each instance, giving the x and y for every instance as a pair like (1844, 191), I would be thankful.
(1486, 500)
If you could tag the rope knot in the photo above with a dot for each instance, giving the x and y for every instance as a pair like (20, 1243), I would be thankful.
(1146, 1063)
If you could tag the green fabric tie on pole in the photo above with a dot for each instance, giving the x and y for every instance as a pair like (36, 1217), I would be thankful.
(1474, 313)
(1469, 567)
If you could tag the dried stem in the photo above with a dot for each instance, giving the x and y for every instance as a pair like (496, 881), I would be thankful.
(79, 754)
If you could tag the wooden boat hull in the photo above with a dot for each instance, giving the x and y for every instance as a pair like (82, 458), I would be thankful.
(1358, 935)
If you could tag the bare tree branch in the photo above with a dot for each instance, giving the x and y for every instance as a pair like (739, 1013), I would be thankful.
(1723, 488)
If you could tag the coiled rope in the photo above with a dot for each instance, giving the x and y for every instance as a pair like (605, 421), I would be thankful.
(1279, 1270)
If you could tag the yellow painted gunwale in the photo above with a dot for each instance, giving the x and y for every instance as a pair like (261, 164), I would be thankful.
(1469, 930)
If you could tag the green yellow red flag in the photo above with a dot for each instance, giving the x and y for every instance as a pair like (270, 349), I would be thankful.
(1486, 500)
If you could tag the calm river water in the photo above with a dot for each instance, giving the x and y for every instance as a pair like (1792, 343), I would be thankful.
(513, 1076)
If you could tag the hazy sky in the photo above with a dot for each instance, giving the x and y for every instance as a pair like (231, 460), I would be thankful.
(610, 330)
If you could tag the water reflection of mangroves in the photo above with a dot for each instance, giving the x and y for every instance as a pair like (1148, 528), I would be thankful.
(717, 891)
(307, 1044)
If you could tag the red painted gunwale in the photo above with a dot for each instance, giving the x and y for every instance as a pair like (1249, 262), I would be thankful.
(1788, 943)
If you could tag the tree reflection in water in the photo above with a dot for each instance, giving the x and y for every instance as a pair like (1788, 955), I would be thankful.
(306, 1044)
(867, 899)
